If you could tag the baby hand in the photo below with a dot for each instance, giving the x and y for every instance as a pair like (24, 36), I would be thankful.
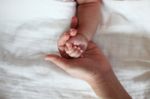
(71, 44)
(62, 42)
(76, 45)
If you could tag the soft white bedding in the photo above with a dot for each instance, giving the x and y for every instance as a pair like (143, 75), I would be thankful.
(30, 28)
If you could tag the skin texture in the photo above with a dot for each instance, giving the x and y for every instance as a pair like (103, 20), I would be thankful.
(68, 39)
(84, 26)
(95, 69)
(91, 65)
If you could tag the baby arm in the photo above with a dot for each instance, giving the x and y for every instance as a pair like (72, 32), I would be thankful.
(88, 18)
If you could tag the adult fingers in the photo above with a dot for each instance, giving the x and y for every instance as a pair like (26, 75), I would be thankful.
(57, 60)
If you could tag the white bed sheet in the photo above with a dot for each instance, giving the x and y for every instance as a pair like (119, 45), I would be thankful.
(30, 28)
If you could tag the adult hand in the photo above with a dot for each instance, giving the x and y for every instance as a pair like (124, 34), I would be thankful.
(92, 65)
(95, 69)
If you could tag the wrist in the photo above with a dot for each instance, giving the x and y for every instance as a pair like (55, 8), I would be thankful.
(107, 86)
(100, 78)
(100, 85)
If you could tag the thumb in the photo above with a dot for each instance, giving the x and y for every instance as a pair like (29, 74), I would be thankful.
(74, 22)
(57, 60)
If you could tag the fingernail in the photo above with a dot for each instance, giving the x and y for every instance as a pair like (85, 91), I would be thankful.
(67, 44)
(75, 47)
(81, 51)
(79, 48)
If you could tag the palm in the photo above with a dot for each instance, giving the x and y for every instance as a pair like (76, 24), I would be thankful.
(89, 65)
(92, 62)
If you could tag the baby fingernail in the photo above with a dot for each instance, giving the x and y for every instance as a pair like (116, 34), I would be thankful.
(79, 48)
(81, 51)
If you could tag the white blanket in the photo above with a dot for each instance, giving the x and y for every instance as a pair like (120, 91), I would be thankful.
(30, 28)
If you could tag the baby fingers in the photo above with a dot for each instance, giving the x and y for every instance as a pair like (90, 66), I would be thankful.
(63, 39)
(74, 52)
(73, 32)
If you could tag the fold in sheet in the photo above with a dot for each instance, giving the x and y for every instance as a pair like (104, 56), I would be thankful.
(29, 29)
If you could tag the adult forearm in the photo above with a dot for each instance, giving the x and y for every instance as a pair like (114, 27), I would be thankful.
(89, 17)
(108, 87)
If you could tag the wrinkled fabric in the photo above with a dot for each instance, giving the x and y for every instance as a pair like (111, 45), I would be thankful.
(29, 29)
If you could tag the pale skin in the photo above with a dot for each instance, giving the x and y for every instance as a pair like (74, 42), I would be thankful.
(95, 69)
(88, 17)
